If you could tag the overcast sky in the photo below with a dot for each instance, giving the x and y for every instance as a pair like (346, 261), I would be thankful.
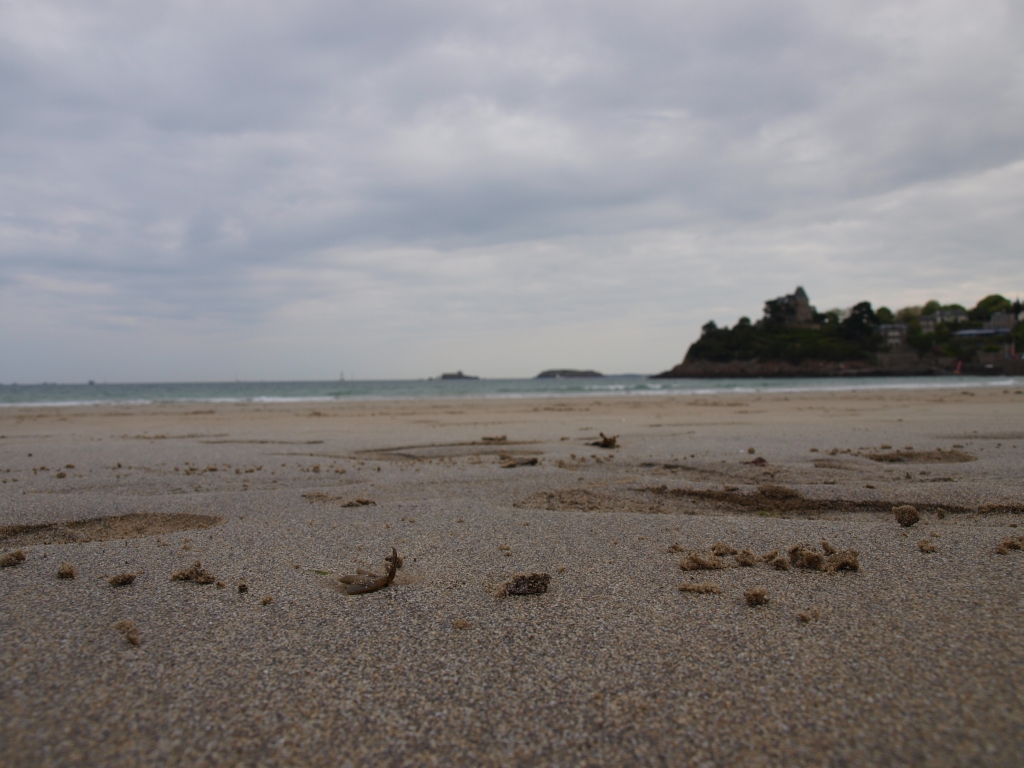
(266, 190)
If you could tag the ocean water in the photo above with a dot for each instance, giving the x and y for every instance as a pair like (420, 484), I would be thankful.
(415, 389)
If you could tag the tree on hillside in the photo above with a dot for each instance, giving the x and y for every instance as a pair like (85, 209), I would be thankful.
(860, 325)
(993, 303)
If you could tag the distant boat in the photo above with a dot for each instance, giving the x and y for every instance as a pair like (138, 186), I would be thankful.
(458, 376)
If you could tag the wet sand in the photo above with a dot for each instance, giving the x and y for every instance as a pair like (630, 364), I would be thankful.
(915, 658)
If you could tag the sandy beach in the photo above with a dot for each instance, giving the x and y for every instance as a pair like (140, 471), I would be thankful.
(912, 658)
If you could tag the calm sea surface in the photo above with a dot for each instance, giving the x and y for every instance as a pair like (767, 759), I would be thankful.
(314, 391)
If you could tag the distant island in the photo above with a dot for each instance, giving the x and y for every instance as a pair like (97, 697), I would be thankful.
(569, 373)
(794, 339)
(458, 376)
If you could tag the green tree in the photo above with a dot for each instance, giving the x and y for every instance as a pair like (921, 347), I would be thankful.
(993, 303)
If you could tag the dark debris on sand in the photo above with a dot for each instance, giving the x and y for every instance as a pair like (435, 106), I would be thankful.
(756, 596)
(12, 559)
(195, 573)
(525, 584)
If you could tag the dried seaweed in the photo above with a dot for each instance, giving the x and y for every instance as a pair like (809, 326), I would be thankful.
(129, 631)
(801, 557)
(720, 548)
(12, 559)
(843, 561)
(906, 515)
(746, 558)
(695, 561)
(1010, 543)
(606, 441)
(67, 571)
(195, 573)
(360, 503)
(121, 580)
(756, 596)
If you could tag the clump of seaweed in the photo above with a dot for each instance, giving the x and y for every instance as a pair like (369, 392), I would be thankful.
(462, 624)
(720, 548)
(927, 546)
(836, 559)
(906, 515)
(195, 573)
(129, 631)
(525, 584)
(12, 559)
(843, 561)
(360, 503)
(703, 588)
(121, 580)
(756, 596)
(769, 557)
(606, 441)
(67, 571)
(801, 557)
(695, 561)
(242, 587)
(746, 558)
(266, 600)
(1010, 543)
(808, 616)
(363, 581)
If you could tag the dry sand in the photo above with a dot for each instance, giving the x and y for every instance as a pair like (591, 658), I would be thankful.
(913, 659)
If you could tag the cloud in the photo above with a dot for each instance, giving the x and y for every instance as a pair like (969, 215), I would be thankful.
(443, 180)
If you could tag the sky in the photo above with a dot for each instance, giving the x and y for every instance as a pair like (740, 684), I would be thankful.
(206, 191)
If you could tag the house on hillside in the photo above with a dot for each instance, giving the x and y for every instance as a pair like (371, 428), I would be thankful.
(895, 334)
(793, 309)
(1001, 321)
(949, 316)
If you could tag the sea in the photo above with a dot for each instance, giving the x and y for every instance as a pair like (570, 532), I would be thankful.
(15, 395)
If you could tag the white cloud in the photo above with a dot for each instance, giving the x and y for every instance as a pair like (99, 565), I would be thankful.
(484, 186)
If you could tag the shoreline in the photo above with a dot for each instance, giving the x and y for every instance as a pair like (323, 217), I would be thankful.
(736, 384)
